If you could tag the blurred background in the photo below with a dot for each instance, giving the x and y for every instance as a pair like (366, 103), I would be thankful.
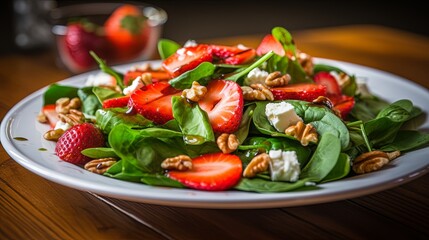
(207, 19)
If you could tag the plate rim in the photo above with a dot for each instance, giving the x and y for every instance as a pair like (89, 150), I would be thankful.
(275, 199)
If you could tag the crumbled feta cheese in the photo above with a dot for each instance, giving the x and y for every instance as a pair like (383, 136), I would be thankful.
(284, 165)
(100, 79)
(256, 76)
(281, 115)
(190, 43)
(63, 125)
(135, 85)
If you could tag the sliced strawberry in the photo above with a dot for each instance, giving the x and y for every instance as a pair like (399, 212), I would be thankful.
(326, 79)
(51, 114)
(269, 43)
(223, 103)
(211, 172)
(156, 76)
(186, 59)
(154, 101)
(300, 91)
(159, 111)
(241, 58)
(221, 51)
(116, 102)
(343, 104)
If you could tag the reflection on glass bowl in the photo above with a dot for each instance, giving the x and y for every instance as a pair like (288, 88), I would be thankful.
(73, 44)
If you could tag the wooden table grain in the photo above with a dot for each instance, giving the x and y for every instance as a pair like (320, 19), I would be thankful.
(32, 207)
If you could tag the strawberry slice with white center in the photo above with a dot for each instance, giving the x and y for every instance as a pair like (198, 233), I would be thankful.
(326, 79)
(154, 101)
(50, 114)
(210, 172)
(299, 91)
(223, 103)
(187, 58)
(233, 55)
(269, 43)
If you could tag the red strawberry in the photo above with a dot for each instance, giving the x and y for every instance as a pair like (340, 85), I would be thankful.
(343, 104)
(221, 52)
(156, 76)
(211, 172)
(127, 31)
(299, 91)
(186, 59)
(241, 58)
(223, 103)
(232, 55)
(76, 139)
(154, 101)
(116, 102)
(159, 111)
(79, 40)
(269, 43)
(326, 79)
(51, 114)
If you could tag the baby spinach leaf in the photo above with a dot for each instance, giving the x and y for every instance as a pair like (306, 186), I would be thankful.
(277, 63)
(407, 140)
(326, 68)
(159, 133)
(108, 118)
(105, 68)
(285, 38)
(105, 93)
(265, 186)
(246, 120)
(297, 73)
(99, 153)
(160, 180)
(124, 171)
(145, 153)
(185, 80)
(56, 91)
(367, 108)
(323, 159)
(167, 47)
(340, 170)
(90, 103)
(193, 121)
(323, 120)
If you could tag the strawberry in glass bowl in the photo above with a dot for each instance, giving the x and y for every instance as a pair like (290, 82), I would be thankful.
(119, 32)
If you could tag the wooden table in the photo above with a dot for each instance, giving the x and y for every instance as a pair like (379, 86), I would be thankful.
(34, 208)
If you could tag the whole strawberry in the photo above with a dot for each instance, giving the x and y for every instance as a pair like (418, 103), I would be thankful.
(81, 38)
(76, 139)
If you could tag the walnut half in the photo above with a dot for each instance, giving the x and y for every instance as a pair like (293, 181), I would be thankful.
(181, 163)
(305, 133)
(100, 165)
(373, 161)
(227, 143)
(258, 164)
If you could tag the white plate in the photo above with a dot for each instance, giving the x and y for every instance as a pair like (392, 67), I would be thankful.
(21, 121)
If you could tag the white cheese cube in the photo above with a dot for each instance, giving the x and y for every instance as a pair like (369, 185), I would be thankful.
(281, 115)
(284, 166)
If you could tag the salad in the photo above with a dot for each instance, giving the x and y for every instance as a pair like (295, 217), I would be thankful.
(214, 118)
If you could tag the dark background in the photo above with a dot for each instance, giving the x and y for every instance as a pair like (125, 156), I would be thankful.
(206, 19)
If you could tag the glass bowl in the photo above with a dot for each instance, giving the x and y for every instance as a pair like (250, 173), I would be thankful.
(98, 13)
